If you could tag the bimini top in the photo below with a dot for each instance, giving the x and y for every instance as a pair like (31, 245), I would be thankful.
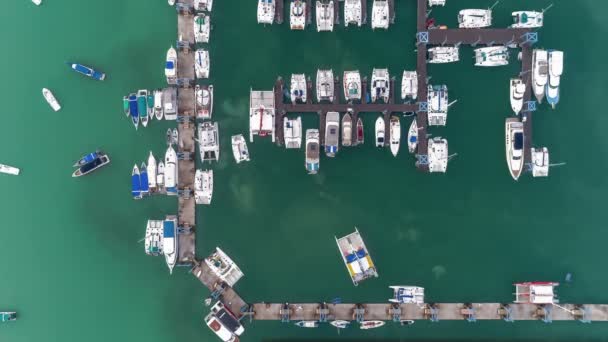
(169, 229)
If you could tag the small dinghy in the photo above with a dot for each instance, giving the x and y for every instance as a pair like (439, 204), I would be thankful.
(9, 170)
(395, 134)
(8, 316)
(517, 90)
(340, 324)
(307, 324)
(50, 98)
(37, 2)
(412, 137)
(380, 127)
(360, 135)
(365, 325)
(87, 158)
(175, 137)
(404, 322)
(239, 148)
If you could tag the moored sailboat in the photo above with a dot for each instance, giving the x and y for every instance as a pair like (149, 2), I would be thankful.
(380, 128)
(412, 136)
(347, 130)
(395, 134)
(135, 183)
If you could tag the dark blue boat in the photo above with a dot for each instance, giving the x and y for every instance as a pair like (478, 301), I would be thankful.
(88, 158)
(133, 110)
(85, 70)
(97, 163)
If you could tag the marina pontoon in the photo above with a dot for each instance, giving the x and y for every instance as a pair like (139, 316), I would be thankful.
(380, 85)
(204, 101)
(540, 162)
(50, 99)
(209, 141)
(298, 91)
(223, 267)
(491, 56)
(474, 18)
(170, 245)
(536, 293)
(347, 130)
(239, 148)
(202, 28)
(325, 15)
(527, 19)
(203, 186)
(352, 12)
(517, 90)
(352, 85)
(261, 114)
(380, 14)
(407, 295)
(409, 85)
(438, 154)
(556, 67)
(540, 73)
(292, 132)
(332, 132)
(202, 63)
(443, 54)
(325, 85)
(297, 15)
(438, 105)
(153, 242)
(356, 257)
(266, 10)
(312, 151)
(380, 131)
(514, 142)
(412, 137)
(395, 134)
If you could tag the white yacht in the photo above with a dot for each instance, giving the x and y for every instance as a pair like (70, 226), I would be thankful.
(491, 56)
(540, 162)
(50, 98)
(239, 148)
(474, 18)
(202, 63)
(380, 128)
(204, 101)
(514, 143)
(209, 141)
(171, 174)
(443, 54)
(409, 85)
(332, 133)
(437, 2)
(158, 104)
(438, 154)
(202, 28)
(540, 73)
(297, 15)
(203, 186)
(153, 242)
(203, 5)
(407, 295)
(224, 323)
(347, 130)
(170, 246)
(527, 19)
(556, 68)
(395, 134)
(412, 136)
(298, 91)
(171, 66)
(312, 151)
(266, 10)
(437, 105)
(325, 85)
(151, 168)
(352, 85)
(292, 132)
(325, 16)
(381, 87)
(352, 12)
(222, 266)
(9, 170)
(261, 114)
(517, 89)
(380, 14)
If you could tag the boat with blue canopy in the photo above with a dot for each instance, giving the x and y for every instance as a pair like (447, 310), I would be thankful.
(133, 110)
(135, 183)
(142, 106)
(143, 179)
(87, 158)
(170, 242)
(97, 163)
(87, 71)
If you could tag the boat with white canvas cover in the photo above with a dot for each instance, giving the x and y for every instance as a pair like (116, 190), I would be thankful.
(224, 267)
(352, 85)
(307, 324)
(325, 85)
(224, 323)
(171, 66)
(514, 142)
(170, 103)
(312, 151)
(437, 105)
(540, 162)
(443, 54)
(409, 85)
(9, 170)
(527, 19)
(395, 134)
(202, 28)
(204, 101)
(266, 10)
(353, 12)
(356, 257)
(160, 175)
(153, 241)
(380, 14)
(203, 186)
(347, 130)
(203, 5)
(380, 128)
(556, 68)
(158, 104)
(517, 90)
(365, 325)
(292, 132)
(438, 154)
(171, 171)
(491, 56)
(209, 141)
(298, 91)
(537, 292)
(50, 99)
(540, 73)
(239, 148)
(37, 2)
(170, 246)
(202, 63)
(297, 15)
(332, 132)
(407, 294)
(474, 18)
(151, 171)
(437, 2)
(261, 114)
(412, 136)
(325, 16)
(381, 87)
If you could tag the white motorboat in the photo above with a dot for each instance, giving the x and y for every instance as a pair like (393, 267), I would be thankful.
(491, 56)
(437, 2)
(202, 63)
(437, 105)
(517, 90)
(407, 295)
(353, 12)
(365, 325)
(158, 104)
(332, 133)
(203, 186)
(474, 18)
(540, 162)
(9, 170)
(261, 114)
(298, 91)
(325, 16)
(37, 2)
(381, 87)
(312, 151)
(409, 85)
(380, 128)
(224, 323)
(170, 247)
(340, 324)
(536, 292)
(171, 2)
(204, 101)
(209, 141)
(170, 103)
(438, 154)
(160, 175)
(307, 324)
(514, 142)
(395, 134)
(151, 168)
(540, 73)
(292, 132)
(297, 15)
(352, 85)
(266, 10)
(203, 5)
(380, 14)
(527, 19)
(50, 98)
(412, 136)
(347, 130)
(325, 85)
(171, 171)
(223, 267)
(443, 54)
(556, 68)
(171, 66)
(153, 241)
(202, 28)
(239, 148)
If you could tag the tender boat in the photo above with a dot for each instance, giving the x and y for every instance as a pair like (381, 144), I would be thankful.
(8, 316)
(380, 127)
(438, 154)
(170, 242)
(87, 71)
(407, 295)
(222, 266)
(160, 175)
(266, 10)
(360, 135)
(443, 54)
(203, 186)
(239, 148)
(142, 106)
(150, 106)
(325, 16)
(527, 19)
(204, 101)
(224, 323)
(171, 66)
(514, 142)
(50, 98)
(202, 63)
(170, 103)
(409, 85)
(356, 258)
(298, 88)
(9, 170)
(347, 130)
(491, 56)
(209, 141)
(395, 137)
(203, 5)
(353, 13)
(556, 68)
(474, 18)
(151, 171)
(537, 292)
(517, 90)
(332, 132)
(125, 105)
(143, 179)
(292, 132)
(325, 85)
(135, 183)
(312, 151)
(171, 171)
(171, 2)
(340, 324)
(406, 322)
(168, 138)
(99, 162)
(297, 15)
(438, 105)
(261, 114)
(307, 324)
(412, 136)
(540, 73)
(437, 2)
(380, 14)
(37, 2)
(380, 85)
(88, 158)
(175, 137)
(153, 241)
(202, 28)
(158, 104)
(371, 324)
(540, 162)
(352, 85)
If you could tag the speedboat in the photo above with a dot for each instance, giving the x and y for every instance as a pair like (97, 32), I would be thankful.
(297, 15)
(540, 73)
(204, 101)
(298, 88)
(153, 241)
(412, 137)
(142, 106)
(87, 71)
(151, 171)
(443, 54)
(209, 141)
(352, 85)
(224, 323)
(99, 162)
(438, 154)
(409, 85)
(556, 67)
(143, 179)
(371, 324)
(517, 91)
(9, 170)
(540, 162)
(203, 5)
(37, 2)
(312, 151)
(474, 18)
(8, 316)
(125, 105)
(203, 186)
(332, 132)
(527, 19)
(50, 98)
(202, 63)
(88, 158)
(171, 66)
(158, 104)
(380, 85)
(307, 324)
(353, 12)
(360, 135)
(407, 295)
(325, 16)
(202, 28)
(380, 13)
(514, 142)
(292, 132)
(266, 10)
(133, 109)
(380, 127)
(492, 56)
(170, 243)
(160, 175)
(261, 114)
(239, 148)
(340, 324)
(437, 98)
(347, 130)
(356, 257)
(395, 135)
(171, 171)
(170, 103)
(150, 106)
(325, 85)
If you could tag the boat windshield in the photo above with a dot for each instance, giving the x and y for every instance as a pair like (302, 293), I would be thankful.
(90, 166)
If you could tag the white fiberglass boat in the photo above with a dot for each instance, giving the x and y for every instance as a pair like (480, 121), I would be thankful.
(261, 114)
(224, 267)
(171, 2)
(325, 16)
(517, 90)
(203, 5)
(158, 104)
(409, 85)
(352, 12)
(347, 130)
(307, 324)
(381, 87)
(170, 103)
(380, 14)
(312, 151)
(171, 66)
(474, 18)
(160, 175)
(380, 128)
(527, 19)
(298, 91)
(556, 68)
(365, 325)
(332, 133)
(540, 162)
(151, 168)
(209, 141)
(340, 324)
(50, 98)
(203, 186)
(204, 101)
(224, 323)
(239, 148)
(352, 85)
(170, 242)
(437, 2)
(202, 28)
(171, 171)
(292, 132)
(437, 105)
(407, 295)
(540, 73)
(412, 136)
(395, 134)
(492, 56)
(202, 63)
(514, 142)
(266, 10)
(153, 242)
(297, 15)
(537, 292)
(325, 85)
(9, 170)
(443, 54)
(438, 154)
(356, 257)
(37, 2)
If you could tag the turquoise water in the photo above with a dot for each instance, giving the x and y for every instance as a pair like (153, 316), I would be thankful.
(74, 265)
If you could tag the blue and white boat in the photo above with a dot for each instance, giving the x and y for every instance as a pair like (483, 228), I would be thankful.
(143, 180)
(88, 158)
(7, 316)
(97, 163)
(133, 110)
(87, 71)
(556, 68)
(170, 243)
(332, 131)
(135, 183)
(407, 294)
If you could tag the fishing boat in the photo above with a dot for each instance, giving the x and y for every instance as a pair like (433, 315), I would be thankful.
(261, 114)
(412, 136)
(142, 106)
(395, 136)
(347, 130)
(151, 171)
(222, 266)
(209, 141)
(99, 162)
(325, 85)
(239, 148)
(540, 73)
(50, 98)
(203, 5)
(352, 85)
(474, 18)
(8, 316)
(298, 91)
(380, 85)
(307, 324)
(292, 132)
(160, 174)
(297, 15)
(517, 90)
(380, 127)
(87, 158)
(356, 258)
(536, 292)
(325, 16)
(153, 240)
(266, 10)
(150, 106)
(202, 28)
(491, 56)
(407, 295)
(360, 135)
(170, 103)
(556, 68)
(437, 97)
(365, 325)
(9, 170)
(312, 151)
(380, 14)
(171, 171)
(203, 186)
(514, 142)
(224, 323)
(438, 154)
(175, 137)
(443, 54)
(540, 162)
(171, 66)
(527, 19)
(143, 179)
(202, 63)
(353, 13)
(87, 71)
(332, 132)
(135, 183)
(340, 324)
(170, 247)
(204, 101)
(158, 104)
(409, 85)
